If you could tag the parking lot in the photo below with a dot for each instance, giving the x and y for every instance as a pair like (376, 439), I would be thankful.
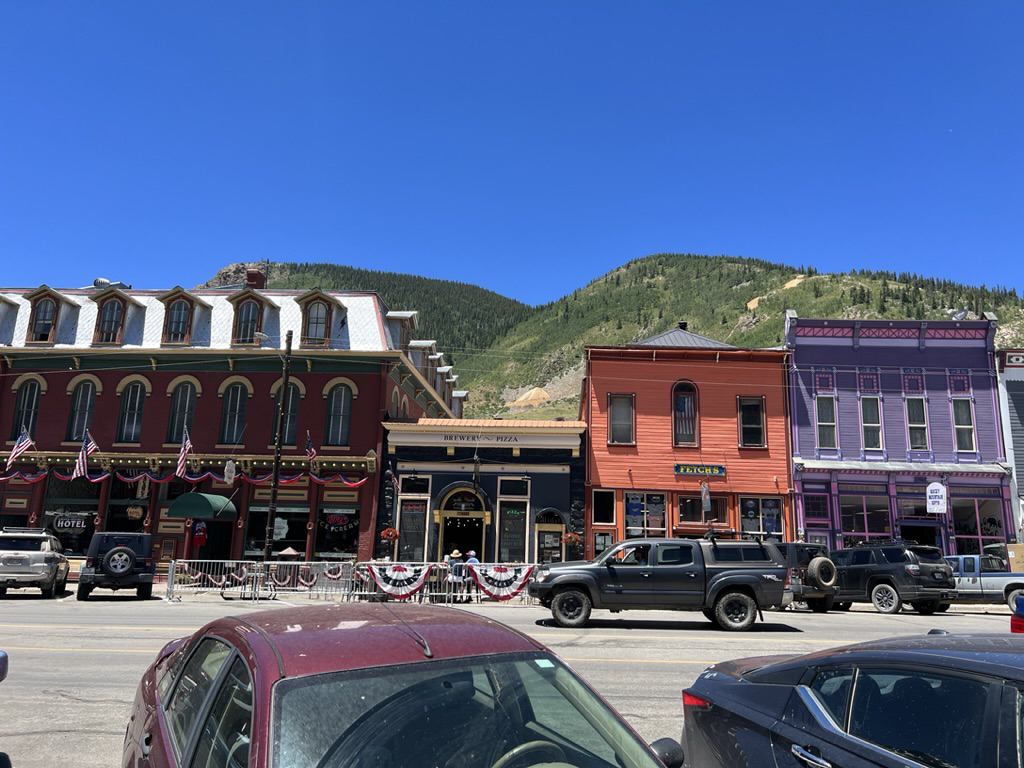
(75, 666)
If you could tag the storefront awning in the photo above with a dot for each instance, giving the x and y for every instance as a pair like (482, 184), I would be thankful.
(202, 506)
(900, 467)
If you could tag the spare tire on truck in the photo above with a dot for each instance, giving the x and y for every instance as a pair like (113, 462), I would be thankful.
(822, 571)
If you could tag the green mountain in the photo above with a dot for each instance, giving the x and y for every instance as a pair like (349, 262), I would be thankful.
(506, 351)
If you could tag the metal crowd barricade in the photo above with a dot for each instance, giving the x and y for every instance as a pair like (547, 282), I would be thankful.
(423, 582)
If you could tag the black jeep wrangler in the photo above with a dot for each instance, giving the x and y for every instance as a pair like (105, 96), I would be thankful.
(728, 581)
(118, 561)
(888, 574)
(812, 575)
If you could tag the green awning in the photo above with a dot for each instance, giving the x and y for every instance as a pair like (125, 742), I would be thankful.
(202, 506)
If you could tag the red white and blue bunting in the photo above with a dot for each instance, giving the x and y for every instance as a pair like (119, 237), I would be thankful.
(502, 582)
(194, 479)
(400, 580)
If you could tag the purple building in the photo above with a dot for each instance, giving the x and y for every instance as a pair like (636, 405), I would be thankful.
(896, 433)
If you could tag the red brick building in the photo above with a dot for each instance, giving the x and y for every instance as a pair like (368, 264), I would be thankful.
(135, 368)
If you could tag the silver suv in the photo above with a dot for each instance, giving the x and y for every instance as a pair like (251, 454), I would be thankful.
(32, 557)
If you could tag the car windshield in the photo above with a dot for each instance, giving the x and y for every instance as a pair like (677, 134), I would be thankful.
(21, 545)
(928, 554)
(459, 713)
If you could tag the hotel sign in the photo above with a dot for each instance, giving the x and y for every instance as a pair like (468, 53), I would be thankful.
(701, 470)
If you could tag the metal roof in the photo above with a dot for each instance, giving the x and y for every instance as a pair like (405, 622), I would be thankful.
(677, 337)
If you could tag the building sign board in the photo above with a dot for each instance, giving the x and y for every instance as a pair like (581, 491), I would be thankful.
(936, 498)
(701, 470)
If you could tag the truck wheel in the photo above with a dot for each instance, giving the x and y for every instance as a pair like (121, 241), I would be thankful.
(735, 611)
(820, 604)
(83, 592)
(925, 607)
(943, 607)
(50, 590)
(886, 599)
(822, 571)
(1011, 599)
(571, 608)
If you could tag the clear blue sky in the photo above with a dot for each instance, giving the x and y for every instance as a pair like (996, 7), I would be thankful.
(525, 146)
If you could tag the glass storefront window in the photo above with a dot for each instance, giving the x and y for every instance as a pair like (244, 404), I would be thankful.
(691, 510)
(816, 506)
(977, 523)
(761, 516)
(337, 532)
(412, 530)
(512, 517)
(645, 514)
(865, 514)
(289, 530)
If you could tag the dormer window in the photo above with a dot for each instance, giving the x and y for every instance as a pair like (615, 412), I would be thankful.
(176, 329)
(316, 324)
(44, 321)
(110, 322)
(247, 321)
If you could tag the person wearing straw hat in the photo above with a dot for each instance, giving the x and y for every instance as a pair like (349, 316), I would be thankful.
(455, 576)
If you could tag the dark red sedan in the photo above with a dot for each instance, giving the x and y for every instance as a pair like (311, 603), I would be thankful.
(363, 685)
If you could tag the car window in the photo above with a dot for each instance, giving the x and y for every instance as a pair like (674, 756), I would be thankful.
(932, 718)
(969, 565)
(726, 554)
(756, 555)
(804, 555)
(463, 712)
(674, 554)
(193, 687)
(841, 557)
(832, 689)
(927, 554)
(638, 555)
(954, 564)
(171, 670)
(895, 555)
(992, 564)
(227, 727)
(860, 557)
(26, 544)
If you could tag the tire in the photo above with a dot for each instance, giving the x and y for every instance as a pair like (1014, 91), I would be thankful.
(1011, 599)
(925, 607)
(63, 586)
(822, 571)
(571, 608)
(50, 590)
(118, 561)
(943, 607)
(886, 599)
(821, 604)
(735, 611)
(843, 606)
(83, 592)
(144, 591)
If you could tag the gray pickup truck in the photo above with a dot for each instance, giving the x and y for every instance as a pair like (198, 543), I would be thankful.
(728, 581)
(985, 579)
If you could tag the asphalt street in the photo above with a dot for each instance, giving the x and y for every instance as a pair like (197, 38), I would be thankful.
(74, 666)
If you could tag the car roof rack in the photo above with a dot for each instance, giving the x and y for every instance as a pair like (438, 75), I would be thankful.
(17, 529)
(886, 543)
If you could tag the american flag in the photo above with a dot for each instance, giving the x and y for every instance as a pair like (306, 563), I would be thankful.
(186, 447)
(395, 482)
(310, 450)
(23, 444)
(82, 463)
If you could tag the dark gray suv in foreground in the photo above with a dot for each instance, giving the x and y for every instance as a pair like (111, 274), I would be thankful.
(118, 561)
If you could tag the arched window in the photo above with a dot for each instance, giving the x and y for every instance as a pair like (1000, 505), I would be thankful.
(291, 416)
(316, 325)
(44, 319)
(111, 314)
(26, 408)
(133, 400)
(183, 408)
(248, 322)
(339, 414)
(83, 399)
(232, 425)
(684, 414)
(176, 331)
(393, 410)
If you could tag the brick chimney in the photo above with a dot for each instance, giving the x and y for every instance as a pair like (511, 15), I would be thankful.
(255, 279)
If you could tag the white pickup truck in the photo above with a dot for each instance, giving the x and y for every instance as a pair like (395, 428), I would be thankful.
(985, 579)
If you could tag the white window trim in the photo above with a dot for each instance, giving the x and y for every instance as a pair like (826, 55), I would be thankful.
(906, 416)
(880, 424)
(818, 423)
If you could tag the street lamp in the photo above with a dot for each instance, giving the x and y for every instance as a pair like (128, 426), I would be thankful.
(275, 477)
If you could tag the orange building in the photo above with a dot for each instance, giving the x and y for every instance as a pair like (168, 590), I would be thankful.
(685, 434)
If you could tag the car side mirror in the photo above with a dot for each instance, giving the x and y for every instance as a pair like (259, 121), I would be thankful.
(669, 751)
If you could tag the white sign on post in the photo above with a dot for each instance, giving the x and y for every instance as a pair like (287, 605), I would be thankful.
(229, 472)
(936, 496)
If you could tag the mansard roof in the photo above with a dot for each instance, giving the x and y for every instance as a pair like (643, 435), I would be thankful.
(176, 291)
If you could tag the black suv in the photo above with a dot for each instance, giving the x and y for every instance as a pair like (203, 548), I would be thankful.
(118, 561)
(812, 575)
(728, 581)
(890, 573)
